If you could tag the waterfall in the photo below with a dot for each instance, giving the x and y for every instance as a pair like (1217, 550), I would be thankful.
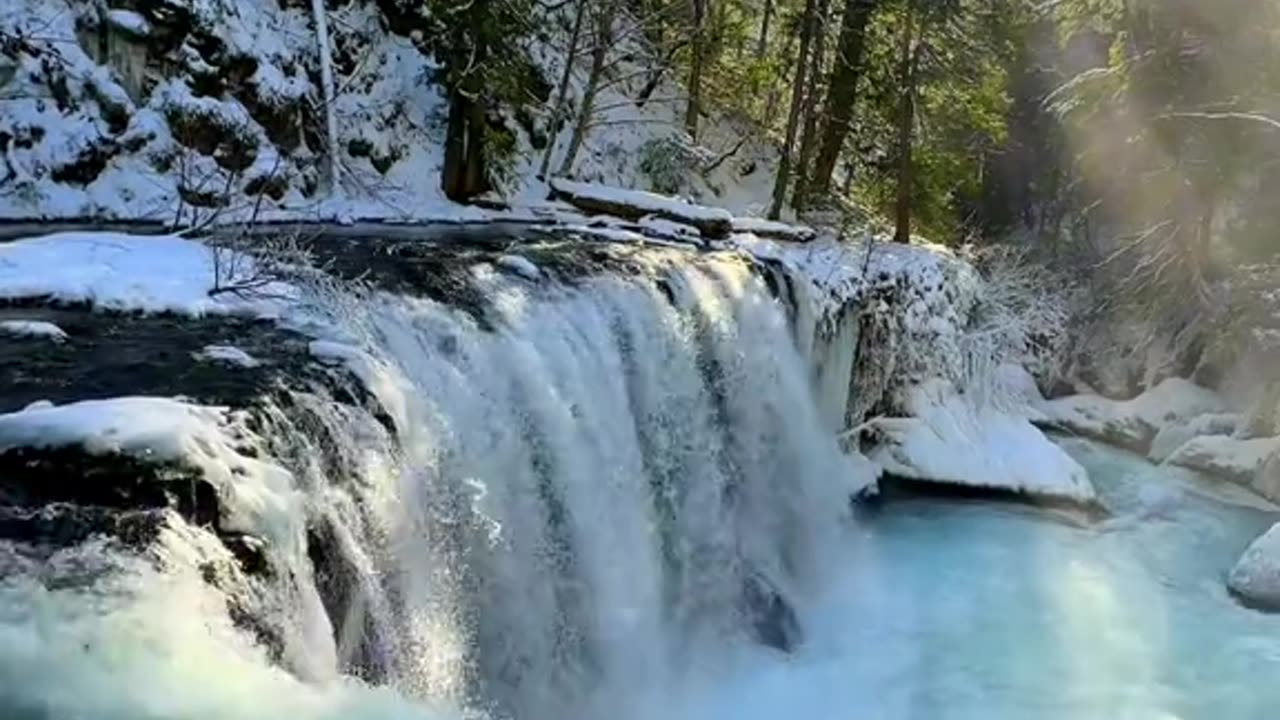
(527, 509)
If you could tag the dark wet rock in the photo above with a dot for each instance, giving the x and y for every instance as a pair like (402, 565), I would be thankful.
(111, 355)
(1255, 579)
(342, 593)
(895, 488)
(772, 618)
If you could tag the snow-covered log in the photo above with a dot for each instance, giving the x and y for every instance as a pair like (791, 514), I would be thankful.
(773, 229)
(713, 223)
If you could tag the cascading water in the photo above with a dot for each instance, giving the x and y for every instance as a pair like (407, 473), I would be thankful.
(588, 489)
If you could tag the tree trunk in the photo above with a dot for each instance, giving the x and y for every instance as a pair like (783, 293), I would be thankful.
(599, 53)
(562, 92)
(465, 173)
(698, 49)
(321, 18)
(793, 116)
(842, 92)
(808, 137)
(906, 120)
(455, 149)
(762, 43)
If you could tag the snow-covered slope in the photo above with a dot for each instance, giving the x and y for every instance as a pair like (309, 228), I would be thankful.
(178, 110)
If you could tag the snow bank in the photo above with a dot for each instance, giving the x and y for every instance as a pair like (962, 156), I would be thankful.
(256, 497)
(635, 204)
(1133, 424)
(32, 329)
(1225, 456)
(951, 441)
(1256, 577)
(115, 271)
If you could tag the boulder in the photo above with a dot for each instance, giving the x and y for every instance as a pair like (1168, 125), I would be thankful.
(1175, 435)
(1132, 424)
(1240, 461)
(1255, 579)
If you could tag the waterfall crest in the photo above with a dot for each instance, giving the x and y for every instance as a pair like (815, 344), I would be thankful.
(584, 490)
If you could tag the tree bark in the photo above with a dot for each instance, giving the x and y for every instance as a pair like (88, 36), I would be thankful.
(698, 49)
(465, 173)
(562, 92)
(455, 149)
(793, 115)
(842, 92)
(808, 136)
(762, 42)
(602, 36)
(907, 60)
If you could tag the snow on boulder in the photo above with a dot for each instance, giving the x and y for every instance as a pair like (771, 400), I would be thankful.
(33, 329)
(951, 441)
(714, 223)
(1132, 424)
(1225, 457)
(1255, 579)
(1175, 435)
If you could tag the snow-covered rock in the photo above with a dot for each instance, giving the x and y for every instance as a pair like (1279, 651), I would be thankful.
(258, 497)
(1176, 434)
(519, 265)
(1226, 457)
(129, 22)
(1133, 424)
(228, 355)
(1256, 577)
(951, 441)
(32, 329)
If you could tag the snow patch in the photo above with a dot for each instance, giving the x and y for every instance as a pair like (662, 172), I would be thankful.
(33, 329)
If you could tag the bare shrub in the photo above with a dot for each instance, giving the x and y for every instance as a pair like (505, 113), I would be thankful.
(1024, 315)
